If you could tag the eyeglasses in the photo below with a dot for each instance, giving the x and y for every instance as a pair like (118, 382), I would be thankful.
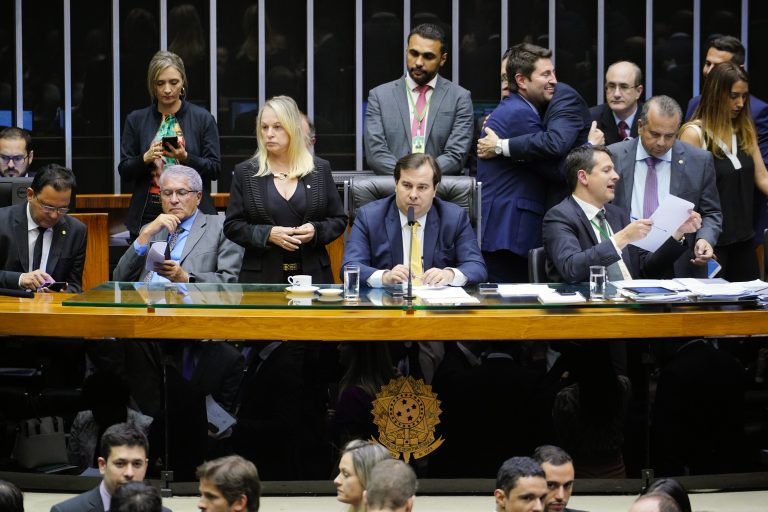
(180, 193)
(621, 87)
(17, 159)
(51, 209)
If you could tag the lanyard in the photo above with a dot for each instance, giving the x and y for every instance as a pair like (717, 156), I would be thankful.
(597, 227)
(416, 115)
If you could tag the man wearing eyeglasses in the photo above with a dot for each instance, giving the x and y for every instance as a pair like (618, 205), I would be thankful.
(39, 243)
(196, 250)
(15, 152)
(618, 116)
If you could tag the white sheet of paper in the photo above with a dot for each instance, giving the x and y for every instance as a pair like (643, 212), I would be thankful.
(444, 295)
(524, 290)
(217, 415)
(155, 254)
(669, 284)
(713, 289)
(666, 219)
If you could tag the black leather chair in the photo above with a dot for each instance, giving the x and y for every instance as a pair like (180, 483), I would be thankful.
(537, 265)
(464, 191)
(764, 268)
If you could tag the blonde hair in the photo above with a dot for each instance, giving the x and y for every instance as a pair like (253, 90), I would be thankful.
(159, 63)
(300, 159)
(365, 455)
(713, 113)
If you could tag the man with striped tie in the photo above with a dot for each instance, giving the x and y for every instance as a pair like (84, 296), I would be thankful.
(196, 250)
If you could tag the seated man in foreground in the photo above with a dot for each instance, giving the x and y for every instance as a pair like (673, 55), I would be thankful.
(381, 236)
(584, 230)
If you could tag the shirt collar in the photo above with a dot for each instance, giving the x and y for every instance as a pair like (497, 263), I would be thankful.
(529, 103)
(187, 223)
(413, 85)
(31, 224)
(106, 498)
(629, 120)
(404, 219)
(642, 154)
(589, 210)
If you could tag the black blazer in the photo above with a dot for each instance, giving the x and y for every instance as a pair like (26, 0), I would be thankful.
(605, 121)
(249, 222)
(89, 501)
(66, 257)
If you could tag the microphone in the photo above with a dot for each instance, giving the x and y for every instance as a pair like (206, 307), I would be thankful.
(411, 221)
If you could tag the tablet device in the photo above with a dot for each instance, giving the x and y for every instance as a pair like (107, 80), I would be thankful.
(650, 290)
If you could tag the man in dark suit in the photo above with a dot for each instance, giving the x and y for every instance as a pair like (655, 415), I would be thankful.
(421, 112)
(201, 253)
(575, 236)
(617, 117)
(381, 237)
(680, 170)
(730, 49)
(558, 468)
(39, 243)
(516, 189)
(123, 459)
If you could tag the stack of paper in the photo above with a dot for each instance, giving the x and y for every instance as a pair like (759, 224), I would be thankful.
(444, 295)
(716, 291)
(523, 290)
(556, 298)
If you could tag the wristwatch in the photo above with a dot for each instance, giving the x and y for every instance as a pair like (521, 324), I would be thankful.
(499, 148)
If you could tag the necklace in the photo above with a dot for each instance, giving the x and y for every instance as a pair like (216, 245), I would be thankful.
(282, 176)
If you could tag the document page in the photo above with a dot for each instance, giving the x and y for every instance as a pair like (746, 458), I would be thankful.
(666, 219)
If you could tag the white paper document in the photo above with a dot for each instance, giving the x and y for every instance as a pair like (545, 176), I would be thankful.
(666, 219)
(557, 298)
(713, 290)
(670, 284)
(218, 416)
(444, 295)
(155, 254)
(524, 290)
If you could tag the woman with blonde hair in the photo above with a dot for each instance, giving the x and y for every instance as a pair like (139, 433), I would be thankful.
(283, 205)
(722, 124)
(357, 460)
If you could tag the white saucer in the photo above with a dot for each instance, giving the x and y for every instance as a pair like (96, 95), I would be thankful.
(330, 292)
(302, 289)
(331, 298)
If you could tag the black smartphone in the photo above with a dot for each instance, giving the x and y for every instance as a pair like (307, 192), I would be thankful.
(171, 141)
(488, 288)
(56, 286)
(396, 293)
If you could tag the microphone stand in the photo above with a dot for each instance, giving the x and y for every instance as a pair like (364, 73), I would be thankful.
(409, 293)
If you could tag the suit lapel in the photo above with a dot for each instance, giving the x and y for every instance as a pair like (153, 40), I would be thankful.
(678, 168)
(431, 231)
(22, 235)
(394, 234)
(609, 123)
(434, 104)
(400, 94)
(579, 213)
(196, 232)
(60, 233)
(627, 166)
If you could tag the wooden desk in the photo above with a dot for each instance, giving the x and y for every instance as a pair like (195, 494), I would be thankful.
(45, 316)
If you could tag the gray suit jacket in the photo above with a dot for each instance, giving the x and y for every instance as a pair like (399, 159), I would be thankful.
(208, 255)
(387, 133)
(692, 179)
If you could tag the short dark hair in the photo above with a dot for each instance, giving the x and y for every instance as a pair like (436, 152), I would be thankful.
(674, 490)
(11, 499)
(514, 469)
(391, 484)
(136, 497)
(416, 160)
(122, 434)
(731, 45)
(551, 454)
(233, 476)
(581, 157)
(522, 59)
(17, 133)
(55, 175)
(430, 31)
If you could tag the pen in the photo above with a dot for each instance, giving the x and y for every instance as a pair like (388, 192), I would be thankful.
(652, 225)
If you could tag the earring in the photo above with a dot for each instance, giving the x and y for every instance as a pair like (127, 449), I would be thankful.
(183, 92)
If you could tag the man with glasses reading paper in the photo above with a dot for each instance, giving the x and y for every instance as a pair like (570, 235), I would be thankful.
(41, 247)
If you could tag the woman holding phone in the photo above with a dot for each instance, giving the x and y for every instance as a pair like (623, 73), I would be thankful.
(283, 205)
(169, 131)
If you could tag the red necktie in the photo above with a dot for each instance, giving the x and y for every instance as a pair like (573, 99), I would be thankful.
(418, 112)
(623, 130)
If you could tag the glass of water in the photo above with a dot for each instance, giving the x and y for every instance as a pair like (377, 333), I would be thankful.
(597, 282)
(351, 282)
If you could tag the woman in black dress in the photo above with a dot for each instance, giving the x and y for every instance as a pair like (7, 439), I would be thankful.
(722, 124)
(283, 206)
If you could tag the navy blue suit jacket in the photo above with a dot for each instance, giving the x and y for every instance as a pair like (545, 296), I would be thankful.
(514, 191)
(376, 241)
(572, 247)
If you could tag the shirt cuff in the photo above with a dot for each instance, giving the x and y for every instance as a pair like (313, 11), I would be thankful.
(459, 279)
(505, 147)
(375, 281)
(141, 250)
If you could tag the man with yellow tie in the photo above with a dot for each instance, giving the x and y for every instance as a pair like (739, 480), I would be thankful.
(445, 249)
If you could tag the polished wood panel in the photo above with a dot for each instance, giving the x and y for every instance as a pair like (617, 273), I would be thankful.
(45, 316)
(118, 201)
(96, 269)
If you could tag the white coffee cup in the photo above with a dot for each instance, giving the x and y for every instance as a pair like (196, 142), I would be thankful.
(300, 281)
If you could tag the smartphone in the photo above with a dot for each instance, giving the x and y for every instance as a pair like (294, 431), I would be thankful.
(56, 286)
(713, 268)
(488, 288)
(396, 293)
(171, 141)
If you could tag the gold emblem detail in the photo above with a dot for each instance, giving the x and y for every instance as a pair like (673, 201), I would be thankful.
(406, 412)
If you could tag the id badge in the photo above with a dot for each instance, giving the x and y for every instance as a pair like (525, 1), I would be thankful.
(417, 144)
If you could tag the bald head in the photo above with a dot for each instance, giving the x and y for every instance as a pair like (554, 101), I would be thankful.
(654, 503)
(623, 88)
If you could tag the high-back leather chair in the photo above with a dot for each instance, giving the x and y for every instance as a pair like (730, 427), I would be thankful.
(537, 266)
(463, 191)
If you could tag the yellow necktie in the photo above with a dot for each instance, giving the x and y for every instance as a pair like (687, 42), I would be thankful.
(416, 260)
